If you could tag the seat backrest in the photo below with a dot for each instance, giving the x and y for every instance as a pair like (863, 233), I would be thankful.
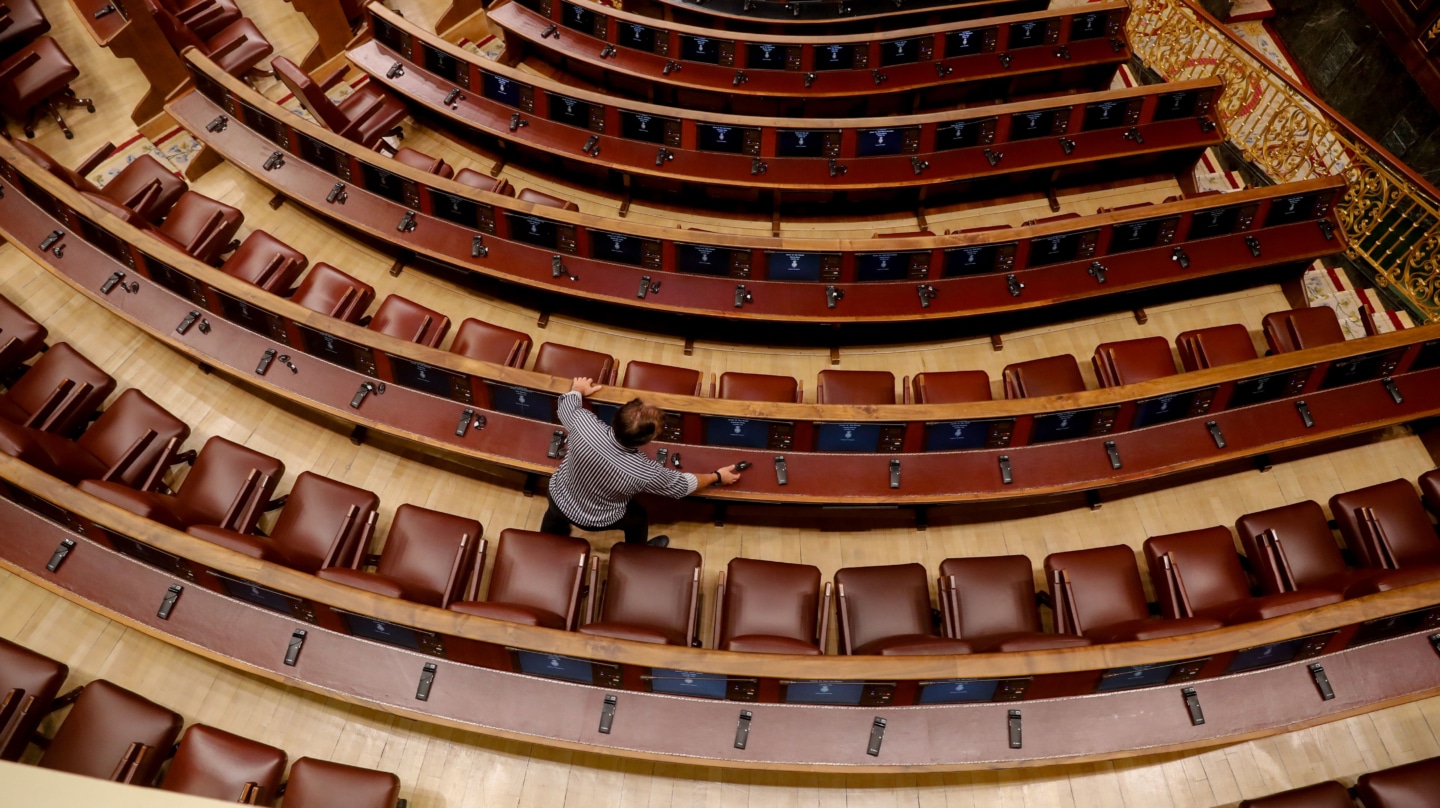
(1413, 785)
(855, 387)
(770, 598)
(1402, 518)
(1133, 361)
(996, 594)
(1328, 794)
(39, 678)
(321, 784)
(315, 512)
(405, 319)
(1295, 329)
(758, 387)
(59, 363)
(334, 293)
(538, 198)
(491, 343)
(308, 91)
(100, 728)
(1104, 583)
(1215, 346)
(569, 362)
(1050, 376)
(220, 473)
(538, 570)
(218, 764)
(662, 378)
(1205, 563)
(421, 553)
(652, 587)
(951, 387)
(881, 602)
(1305, 543)
(27, 334)
(128, 421)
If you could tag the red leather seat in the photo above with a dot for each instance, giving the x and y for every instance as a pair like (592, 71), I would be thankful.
(535, 582)
(989, 602)
(535, 197)
(229, 487)
(1050, 376)
(1098, 595)
(570, 363)
(484, 182)
(224, 766)
(427, 557)
(323, 522)
(1405, 537)
(202, 226)
(1430, 490)
(1297, 329)
(205, 18)
(34, 80)
(769, 607)
(266, 262)
(759, 387)
(491, 343)
(886, 611)
(1212, 347)
(321, 784)
(662, 378)
(1198, 574)
(130, 443)
(651, 595)
(1328, 794)
(28, 683)
(237, 49)
(1132, 361)
(951, 387)
(364, 116)
(424, 162)
(20, 336)
(58, 393)
(855, 387)
(110, 726)
(410, 321)
(332, 292)
(1413, 785)
(21, 21)
(1302, 554)
(145, 186)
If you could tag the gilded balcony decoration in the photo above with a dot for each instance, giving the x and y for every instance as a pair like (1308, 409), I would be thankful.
(1391, 216)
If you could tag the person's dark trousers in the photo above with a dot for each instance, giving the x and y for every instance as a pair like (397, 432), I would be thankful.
(635, 523)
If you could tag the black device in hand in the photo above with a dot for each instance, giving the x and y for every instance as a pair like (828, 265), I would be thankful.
(742, 465)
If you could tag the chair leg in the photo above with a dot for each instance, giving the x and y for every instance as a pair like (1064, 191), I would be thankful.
(68, 98)
(55, 113)
(31, 119)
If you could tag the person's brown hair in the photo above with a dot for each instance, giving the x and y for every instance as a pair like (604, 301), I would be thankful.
(636, 424)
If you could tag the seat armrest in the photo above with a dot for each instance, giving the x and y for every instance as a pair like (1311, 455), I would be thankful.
(334, 78)
(358, 118)
(138, 447)
(20, 66)
(719, 611)
(200, 13)
(93, 161)
(228, 48)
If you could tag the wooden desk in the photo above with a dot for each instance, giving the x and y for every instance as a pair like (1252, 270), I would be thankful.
(970, 274)
(1064, 50)
(949, 453)
(133, 34)
(1151, 128)
(1374, 651)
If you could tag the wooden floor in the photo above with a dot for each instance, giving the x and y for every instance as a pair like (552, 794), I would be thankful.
(441, 767)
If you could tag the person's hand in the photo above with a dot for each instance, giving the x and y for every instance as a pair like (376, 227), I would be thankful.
(728, 475)
(585, 386)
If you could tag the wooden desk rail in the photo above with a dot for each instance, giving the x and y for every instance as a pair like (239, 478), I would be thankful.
(326, 637)
(825, 16)
(949, 453)
(1047, 51)
(708, 274)
(130, 32)
(1149, 129)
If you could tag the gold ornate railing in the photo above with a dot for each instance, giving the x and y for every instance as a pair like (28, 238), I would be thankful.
(1391, 215)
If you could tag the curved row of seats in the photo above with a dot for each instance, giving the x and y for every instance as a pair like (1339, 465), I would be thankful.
(1412, 785)
(113, 734)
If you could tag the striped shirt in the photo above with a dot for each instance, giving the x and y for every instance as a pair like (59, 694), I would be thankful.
(598, 476)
